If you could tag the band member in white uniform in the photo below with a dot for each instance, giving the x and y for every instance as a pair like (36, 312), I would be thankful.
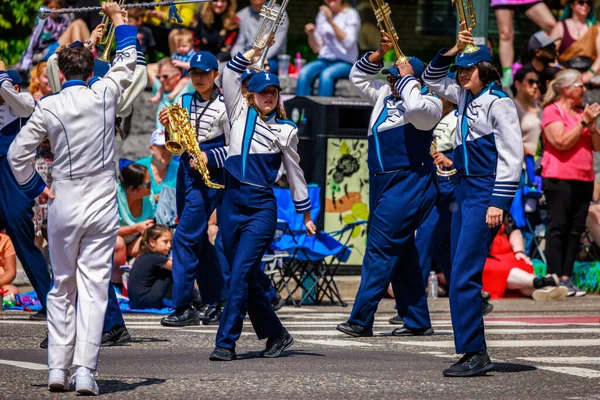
(82, 217)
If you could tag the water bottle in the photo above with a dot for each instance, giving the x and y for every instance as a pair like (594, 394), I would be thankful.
(433, 285)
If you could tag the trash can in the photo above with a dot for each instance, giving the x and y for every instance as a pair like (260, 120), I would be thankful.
(333, 151)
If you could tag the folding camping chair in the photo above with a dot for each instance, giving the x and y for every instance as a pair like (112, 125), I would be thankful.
(311, 263)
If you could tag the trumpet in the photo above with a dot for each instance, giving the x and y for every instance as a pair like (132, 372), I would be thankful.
(466, 13)
(107, 38)
(273, 16)
(383, 14)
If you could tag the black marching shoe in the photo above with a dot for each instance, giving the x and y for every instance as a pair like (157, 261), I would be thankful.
(39, 316)
(277, 344)
(116, 336)
(182, 316)
(212, 315)
(44, 343)
(396, 320)
(404, 331)
(222, 354)
(354, 329)
(277, 302)
(471, 364)
(486, 307)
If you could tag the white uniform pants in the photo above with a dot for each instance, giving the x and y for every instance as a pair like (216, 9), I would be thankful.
(83, 222)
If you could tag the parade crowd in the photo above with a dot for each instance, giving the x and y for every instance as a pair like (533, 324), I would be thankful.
(512, 145)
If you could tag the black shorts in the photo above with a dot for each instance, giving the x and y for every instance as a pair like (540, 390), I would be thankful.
(517, 7)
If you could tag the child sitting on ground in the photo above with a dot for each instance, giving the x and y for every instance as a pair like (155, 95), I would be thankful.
(180, 59)
(150, 279)
(8, 266)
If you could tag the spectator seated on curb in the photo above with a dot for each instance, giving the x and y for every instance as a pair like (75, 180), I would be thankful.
(509, 271)
(150, 279)
(8, 266)
(160, 165)
(136, 213)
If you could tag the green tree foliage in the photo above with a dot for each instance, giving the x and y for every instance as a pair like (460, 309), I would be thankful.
(16, 23)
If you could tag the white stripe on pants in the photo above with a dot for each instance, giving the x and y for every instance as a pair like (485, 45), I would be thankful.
(83, 222)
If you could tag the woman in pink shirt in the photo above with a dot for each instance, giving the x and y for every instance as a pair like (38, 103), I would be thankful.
(569, 135)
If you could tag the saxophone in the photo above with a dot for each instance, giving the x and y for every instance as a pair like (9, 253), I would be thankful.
(181, 136)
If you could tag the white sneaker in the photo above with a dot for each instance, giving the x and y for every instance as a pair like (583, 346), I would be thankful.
(58, 380)
(550, 293)
(85, 383)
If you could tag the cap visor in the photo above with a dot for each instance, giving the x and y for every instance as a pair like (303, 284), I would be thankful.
(263, 87)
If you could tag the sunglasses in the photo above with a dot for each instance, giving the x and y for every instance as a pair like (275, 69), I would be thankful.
(145, 185)
(578, 85)
(583, 2)
(165, 76)
(533, 82)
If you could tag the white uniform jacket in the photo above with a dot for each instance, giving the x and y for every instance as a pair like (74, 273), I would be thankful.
(79, 122)
(400, 129)
(488, 138)
(258, 148)
(140, 81)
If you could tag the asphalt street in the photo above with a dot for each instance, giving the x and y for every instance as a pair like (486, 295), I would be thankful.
(541, 350)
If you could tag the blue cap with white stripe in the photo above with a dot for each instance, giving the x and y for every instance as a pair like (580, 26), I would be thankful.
(204, 61)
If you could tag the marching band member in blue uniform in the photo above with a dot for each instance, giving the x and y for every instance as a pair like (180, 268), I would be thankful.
(261, 142)
(402, 193)
(82, 216)
(488, 155)
(194, 257)
(15, 208)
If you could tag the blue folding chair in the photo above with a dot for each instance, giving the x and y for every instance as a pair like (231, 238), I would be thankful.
(312, 262)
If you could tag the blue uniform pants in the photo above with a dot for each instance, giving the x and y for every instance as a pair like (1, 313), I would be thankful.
(433, 236)
(16, 217)
(471, 239)
(113, 316)
(194, 257)
(399, 202)
(248, 220)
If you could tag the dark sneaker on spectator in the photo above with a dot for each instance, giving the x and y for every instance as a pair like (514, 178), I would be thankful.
(573, 290)
(212, 315)
(471, 364)
(39, 316)
(354, 329)
(222, 354)
(486, 307)
(396, 320)
(277, 302)
(117, 335)
(404, 331)
(550, 293)
(182, 316)
(44, 343)
(277, 344)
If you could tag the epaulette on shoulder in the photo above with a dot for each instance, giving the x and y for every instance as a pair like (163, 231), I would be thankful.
(286, 122)
(496, 90)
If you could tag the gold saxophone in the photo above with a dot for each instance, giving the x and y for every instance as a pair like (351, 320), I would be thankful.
(181, 136)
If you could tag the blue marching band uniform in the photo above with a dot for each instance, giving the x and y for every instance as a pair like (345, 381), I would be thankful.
(257, 151)
(488, 154)
(402, 194)
(194, 257)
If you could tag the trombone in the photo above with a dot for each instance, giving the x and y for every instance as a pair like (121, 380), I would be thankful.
(273, 15)
(466, 14)
(384, 22)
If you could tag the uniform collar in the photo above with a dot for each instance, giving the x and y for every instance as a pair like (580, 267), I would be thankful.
(271, 117)
(74, 82)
